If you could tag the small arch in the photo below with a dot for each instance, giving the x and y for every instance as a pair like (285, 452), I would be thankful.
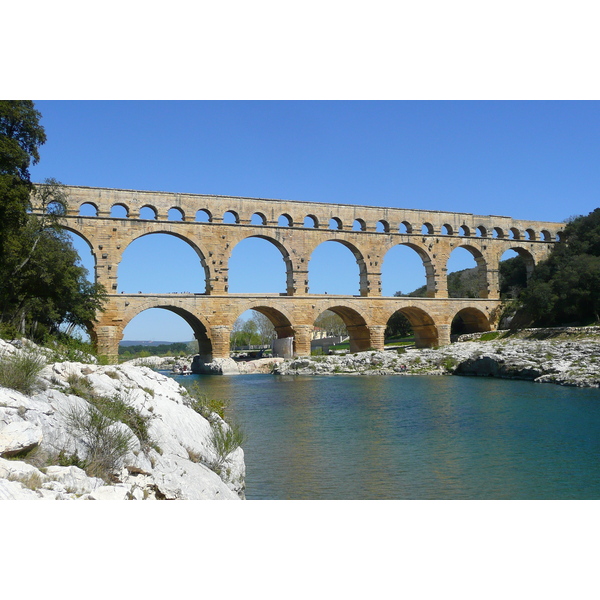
(88, 209)
(464, 231)
(423, 326)
(258, 219)
(311, 221)
(530, 235)
(359, 225)
(358, 332)
(285, 221)
(119, 211)
(559, 236)
(405, 227)
(469, 320)
(546, 235)
(427, 229)
(446, 229)
(382, 226)
(481, 231)
(498, 232)
(203, 216)
(231, 217)
(277, 325)
(514, 234)
(335, 223)
(175, 214)
(148, 213)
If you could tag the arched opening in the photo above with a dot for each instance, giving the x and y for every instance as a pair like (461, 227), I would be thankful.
(559, 236)
(422, 325)
(403, 272)
(405, 227)
(359, 225)
(56, 208)
(463, 230)
(329, 334)
(203, 216)
(359, 337)
(399, 331)
(469, 320)
(514, 234)
(164, 326)
(148, 213)
(546, 236)
(311, 222)
(466, 273)
(258, 219)
(530, 235)
(162, 263)
(285, 221)
(87, 209)
(231, 217)
(446, 230)
(481, 231)
(119, 211)
(497, 232)
(335, 223)
(427, 229)
(514, 270)
(382, 226)
(259, 265)
(336, 267)
(175, 214)
(254, 332)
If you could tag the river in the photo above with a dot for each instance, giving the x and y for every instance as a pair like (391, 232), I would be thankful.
(426, 437)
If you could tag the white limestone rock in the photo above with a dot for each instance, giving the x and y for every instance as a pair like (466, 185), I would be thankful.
(19, 436)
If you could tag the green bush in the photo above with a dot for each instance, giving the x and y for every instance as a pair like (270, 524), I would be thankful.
(20, 371)
(204, 405)
(225, 441)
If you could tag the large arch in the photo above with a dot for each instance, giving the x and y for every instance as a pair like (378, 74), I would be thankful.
(323, 279)
(469, 320)
(172, 258)
(526, 256)
(285, 255)
(415, 272)
(481, 284)
(358, 330)
(423, 326)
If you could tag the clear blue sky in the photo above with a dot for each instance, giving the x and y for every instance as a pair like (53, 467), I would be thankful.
(525, 159)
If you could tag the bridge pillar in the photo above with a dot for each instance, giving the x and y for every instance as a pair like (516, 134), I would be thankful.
(377, 336)
(220, 341)
(425, 336)
(360, 338)
(443, 335)
(302, 338)
(108, 338)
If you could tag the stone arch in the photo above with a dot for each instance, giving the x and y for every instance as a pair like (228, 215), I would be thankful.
(114, 209)
(382, 226)
(464, 230)
(405, 227)
(423, 325)
(546, 236)
(90, 247)
(149, 208)
(359, 225)
(559, 237)
(175, 213)
(446, 229)
(198, 323)
(498, 232)
(514, 233)
(258, 218)
(54, 207)
(313, 222)
(203, 216)
(481, 231)
(427, 265)
(280, 317)
(427, 229)
(335, 223)
(526, 255)
(530, 235)
(285, 254)
(358, 331)
(360, 261)
(285, 220)
(88, 207)
(482, 268)
(469, 320)
(230, 215)
(188, 241)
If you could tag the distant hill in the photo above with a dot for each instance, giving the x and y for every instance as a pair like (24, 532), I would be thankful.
(147, 343)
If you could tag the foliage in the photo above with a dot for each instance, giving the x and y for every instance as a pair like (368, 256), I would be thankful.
(224, 441)
(142, 351)
(398, 326)
(44, 289)
(204, 405)
(565, 288)
(331, 323)
(20, 370)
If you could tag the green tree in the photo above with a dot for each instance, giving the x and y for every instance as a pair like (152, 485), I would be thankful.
(331, 323)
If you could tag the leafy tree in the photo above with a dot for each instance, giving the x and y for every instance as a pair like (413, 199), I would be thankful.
(43, 288)
(398, 326)
(331, 323)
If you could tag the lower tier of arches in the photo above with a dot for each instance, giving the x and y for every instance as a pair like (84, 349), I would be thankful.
(212, 318)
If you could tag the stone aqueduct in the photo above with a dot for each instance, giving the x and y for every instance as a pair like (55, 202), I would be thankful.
(369, 232)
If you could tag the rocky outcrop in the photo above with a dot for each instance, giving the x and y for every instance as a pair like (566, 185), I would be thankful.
(575, 363)
(47, 438)
(228, 366)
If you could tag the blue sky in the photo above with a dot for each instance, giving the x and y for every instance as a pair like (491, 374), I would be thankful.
(525, 159)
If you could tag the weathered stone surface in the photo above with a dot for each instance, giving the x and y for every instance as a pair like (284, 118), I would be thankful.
(19, 436)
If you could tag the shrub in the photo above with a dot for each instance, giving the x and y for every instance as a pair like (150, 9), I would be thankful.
(204, 405)
(20, 371)
(224, 441)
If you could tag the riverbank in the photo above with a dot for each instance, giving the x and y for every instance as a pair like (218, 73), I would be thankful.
(85, 431)
(566, 358)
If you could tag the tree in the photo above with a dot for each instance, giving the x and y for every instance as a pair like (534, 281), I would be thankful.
(43, 288)
(331, 323)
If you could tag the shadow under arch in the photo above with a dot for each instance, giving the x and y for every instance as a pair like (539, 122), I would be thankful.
(360, 261)
(358, 331)
(200, 329)
(185, 239)
(423, 326)
(469, 320)
(289, 274)
(482, 269)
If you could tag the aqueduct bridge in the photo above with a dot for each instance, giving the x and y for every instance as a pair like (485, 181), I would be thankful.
(213, 225)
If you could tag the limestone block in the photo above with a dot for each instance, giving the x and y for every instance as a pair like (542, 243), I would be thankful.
(19, 436)
(74, 479)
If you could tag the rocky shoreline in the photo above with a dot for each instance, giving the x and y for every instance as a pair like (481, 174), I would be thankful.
(574, 362)
(49, 438)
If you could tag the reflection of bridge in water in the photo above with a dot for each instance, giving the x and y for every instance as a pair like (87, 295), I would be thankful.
(296, 229)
